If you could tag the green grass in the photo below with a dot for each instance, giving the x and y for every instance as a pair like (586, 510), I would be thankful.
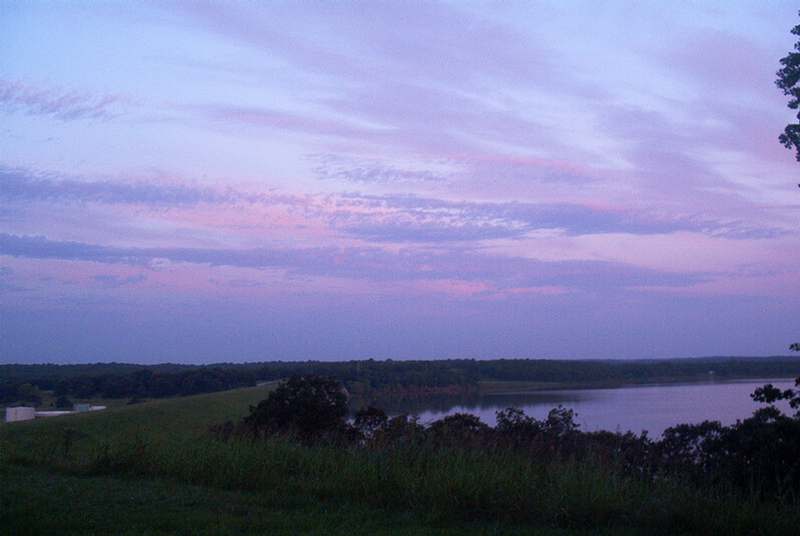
(161, 449)
(34, 501)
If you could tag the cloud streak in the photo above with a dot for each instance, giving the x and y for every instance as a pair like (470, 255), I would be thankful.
(20, 185)
(331, 167)
(372, 264)
(63, 105)
(115, 281)
(413, 218)
(400, 218)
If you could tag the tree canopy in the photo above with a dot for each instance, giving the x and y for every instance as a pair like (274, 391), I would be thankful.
(304, 406)
(788, 78)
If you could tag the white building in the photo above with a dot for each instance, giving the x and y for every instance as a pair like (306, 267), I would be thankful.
(20, 413)
(25, 413)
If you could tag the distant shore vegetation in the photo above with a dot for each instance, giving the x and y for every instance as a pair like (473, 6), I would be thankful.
(371, 379)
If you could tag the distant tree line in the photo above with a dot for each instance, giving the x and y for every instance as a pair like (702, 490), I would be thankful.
(148, 384)
(19, 383)
(19, 392)
(372, 374)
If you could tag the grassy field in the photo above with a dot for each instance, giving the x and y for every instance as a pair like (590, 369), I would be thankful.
(153, 468)
(39, 501)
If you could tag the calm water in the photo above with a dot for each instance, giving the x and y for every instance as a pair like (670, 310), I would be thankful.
(653, 408)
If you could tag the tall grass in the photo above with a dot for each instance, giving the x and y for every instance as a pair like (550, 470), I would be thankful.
(169, 439)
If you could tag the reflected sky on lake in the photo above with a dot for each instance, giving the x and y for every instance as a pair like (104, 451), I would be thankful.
(653, 408)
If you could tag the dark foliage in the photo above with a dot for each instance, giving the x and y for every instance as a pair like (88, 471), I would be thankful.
(460, 429)
(369, 420)
(769, 394)
(146, 383)
(63, 402)
(19, 393)
(8, 392)
(687, 444)
(401, 431)
(759, 453)
(789, 81)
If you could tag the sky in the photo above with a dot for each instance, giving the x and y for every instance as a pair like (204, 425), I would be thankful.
(204, 182)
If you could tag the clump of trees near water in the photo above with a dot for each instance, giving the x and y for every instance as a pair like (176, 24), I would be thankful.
(758, 455)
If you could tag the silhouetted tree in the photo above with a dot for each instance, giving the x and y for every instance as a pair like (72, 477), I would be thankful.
(305, 406)
(459, 429)
(561, 422)
(400, 431)
(513, 422)
(789, 81)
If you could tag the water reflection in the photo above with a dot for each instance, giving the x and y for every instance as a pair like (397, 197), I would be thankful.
(476, 403)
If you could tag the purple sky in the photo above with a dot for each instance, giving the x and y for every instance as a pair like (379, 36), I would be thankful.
(225, 182)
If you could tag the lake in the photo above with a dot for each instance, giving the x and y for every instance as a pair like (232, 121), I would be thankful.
(645, 407)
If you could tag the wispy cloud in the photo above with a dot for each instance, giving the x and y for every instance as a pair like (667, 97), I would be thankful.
(60, 104)
(373, 264)
(237, 283)
(22, 185)
(409, 218)
(115, 281)
(339, 168)
(400, 218)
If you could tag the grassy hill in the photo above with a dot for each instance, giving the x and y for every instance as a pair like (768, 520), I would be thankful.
(153, 468)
